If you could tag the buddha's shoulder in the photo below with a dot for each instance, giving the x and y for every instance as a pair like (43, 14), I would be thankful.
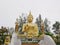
(25, 24)
(30, 24)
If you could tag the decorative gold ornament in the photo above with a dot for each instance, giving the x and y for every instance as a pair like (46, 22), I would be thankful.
(16, 25)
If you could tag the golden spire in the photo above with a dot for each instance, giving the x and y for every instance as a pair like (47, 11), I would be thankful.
(30, 15)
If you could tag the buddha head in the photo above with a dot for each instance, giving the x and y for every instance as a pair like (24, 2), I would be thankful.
(30, 17)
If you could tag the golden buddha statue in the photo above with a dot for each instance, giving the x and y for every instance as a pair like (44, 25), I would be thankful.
(7, 40)
(30, 29)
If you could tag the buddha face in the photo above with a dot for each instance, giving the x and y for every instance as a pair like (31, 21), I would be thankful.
(30, 18)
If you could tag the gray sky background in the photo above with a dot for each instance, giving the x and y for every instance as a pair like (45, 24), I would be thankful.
(11, 9)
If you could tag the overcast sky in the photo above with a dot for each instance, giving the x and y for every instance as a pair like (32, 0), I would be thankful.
(11, 9)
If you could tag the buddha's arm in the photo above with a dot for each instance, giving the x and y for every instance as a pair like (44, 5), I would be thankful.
(23, 30)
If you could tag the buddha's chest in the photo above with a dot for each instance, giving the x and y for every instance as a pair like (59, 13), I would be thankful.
(31, 27)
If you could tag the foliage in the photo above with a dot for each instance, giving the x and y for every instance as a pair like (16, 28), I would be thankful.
(49, 33)
(3, 34)
(56, 27)
(46, 25)
(58, 39)
(38, 22)
(11, 30)
(21, 21)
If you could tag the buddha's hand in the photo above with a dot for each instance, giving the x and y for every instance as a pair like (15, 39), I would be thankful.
(26, 27)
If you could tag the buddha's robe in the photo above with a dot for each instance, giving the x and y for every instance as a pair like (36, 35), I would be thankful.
(30, 29)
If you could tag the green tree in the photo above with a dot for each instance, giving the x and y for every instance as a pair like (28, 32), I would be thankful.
(46, 25)
(56, 27)
(21, 21)
(38, 22)
(3, 34)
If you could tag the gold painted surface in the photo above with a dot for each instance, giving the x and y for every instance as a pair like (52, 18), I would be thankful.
(30, 29)
(7, 40)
